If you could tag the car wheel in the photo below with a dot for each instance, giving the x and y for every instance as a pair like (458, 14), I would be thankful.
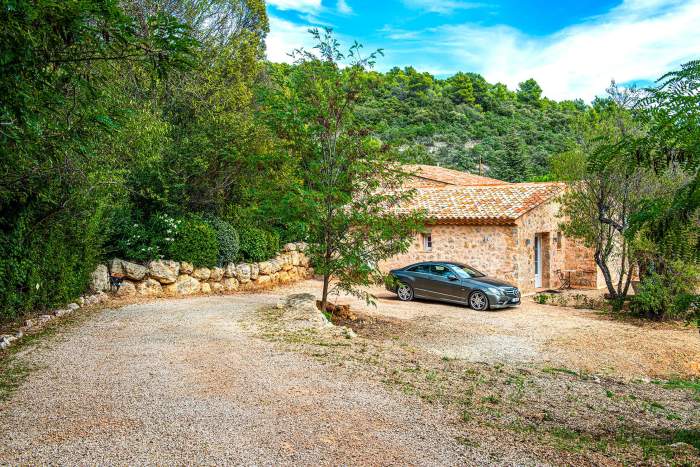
(479, 301)
(405, 292)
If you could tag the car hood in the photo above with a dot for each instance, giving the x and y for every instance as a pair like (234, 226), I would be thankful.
(490, 281)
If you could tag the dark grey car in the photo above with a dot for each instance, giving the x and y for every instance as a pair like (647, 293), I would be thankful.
(452, 282)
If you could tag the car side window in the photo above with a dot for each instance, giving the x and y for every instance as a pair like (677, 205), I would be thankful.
(440, 270)
(424, 268)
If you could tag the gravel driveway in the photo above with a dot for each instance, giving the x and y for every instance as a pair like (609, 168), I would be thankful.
(182, 382)
(541, 335)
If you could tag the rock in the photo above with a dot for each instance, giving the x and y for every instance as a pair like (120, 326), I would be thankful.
(276, 265)
(296, 258)
(230, 284)
(126, 289)
(303, 260)
(201, 274)
(45, 318)
(300, 312)
(19, 334)
(284, 277)
(73, 306)
(302, 246)
(99, 279)
(347, 332)
(254, 271)
(60, 312)
(186, 268)
(149, 287)
(230, 270)
(164, 271)
(264, 281)
(187, 285)
(132, 271)
(216, 274)
(205, 288)
(216, 287)
(28, 323)
(265, 268)
(243, 273)
(289, 247)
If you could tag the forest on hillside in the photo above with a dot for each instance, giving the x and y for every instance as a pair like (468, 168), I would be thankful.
(464, 122)
(157, 129)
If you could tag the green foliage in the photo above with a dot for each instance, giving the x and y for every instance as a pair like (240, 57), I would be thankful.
(466, 123)
(138, 240)
(347, 197)
(258, 244)
(196, 243)
(227, 237)
(669, 295)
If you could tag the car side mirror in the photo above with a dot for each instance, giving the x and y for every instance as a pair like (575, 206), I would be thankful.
(452, 277)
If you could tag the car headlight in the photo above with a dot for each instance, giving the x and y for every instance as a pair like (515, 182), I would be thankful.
(495, 291)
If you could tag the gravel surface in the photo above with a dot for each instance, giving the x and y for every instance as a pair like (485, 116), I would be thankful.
(182, 382)
(543, 335)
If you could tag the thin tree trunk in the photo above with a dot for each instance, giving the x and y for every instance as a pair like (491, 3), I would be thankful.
(324, 295)
(603, 265)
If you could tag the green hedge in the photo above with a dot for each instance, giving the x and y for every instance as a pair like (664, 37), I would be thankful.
(258, 244)
(196, 243)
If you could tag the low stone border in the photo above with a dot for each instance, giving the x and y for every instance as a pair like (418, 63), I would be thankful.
(170, 278)
(165, 278)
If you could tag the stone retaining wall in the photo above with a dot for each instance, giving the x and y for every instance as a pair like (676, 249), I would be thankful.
(169, 278)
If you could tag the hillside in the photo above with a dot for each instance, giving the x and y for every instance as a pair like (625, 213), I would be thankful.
(464, 122)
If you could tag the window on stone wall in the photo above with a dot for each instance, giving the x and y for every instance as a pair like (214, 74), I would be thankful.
(427, 241)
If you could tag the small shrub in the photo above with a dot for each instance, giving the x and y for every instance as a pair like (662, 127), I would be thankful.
(195, 243)
(669, 295)
(229, 242)
(137, 240)
(542, 298)
(258, 244)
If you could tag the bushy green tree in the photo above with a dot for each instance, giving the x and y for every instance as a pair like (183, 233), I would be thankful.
(349, 196)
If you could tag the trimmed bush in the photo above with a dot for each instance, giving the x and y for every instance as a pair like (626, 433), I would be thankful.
(258, 244)
(227, 236)
(196, 243)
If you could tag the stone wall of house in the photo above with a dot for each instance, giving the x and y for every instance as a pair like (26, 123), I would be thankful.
(544, 221)
(488, 248)
(170, 278)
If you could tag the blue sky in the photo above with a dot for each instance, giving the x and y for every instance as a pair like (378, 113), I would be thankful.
(572, 48)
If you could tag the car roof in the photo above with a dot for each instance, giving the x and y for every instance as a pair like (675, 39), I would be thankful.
(451, 263)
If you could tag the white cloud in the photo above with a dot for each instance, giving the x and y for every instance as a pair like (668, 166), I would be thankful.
(344, 8)
(284, 37)
(640, 39)
(441, 6)
(308, 6)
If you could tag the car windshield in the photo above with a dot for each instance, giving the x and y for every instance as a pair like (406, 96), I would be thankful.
(466, 271)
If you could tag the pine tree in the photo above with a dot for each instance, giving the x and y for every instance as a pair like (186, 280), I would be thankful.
(512, 162)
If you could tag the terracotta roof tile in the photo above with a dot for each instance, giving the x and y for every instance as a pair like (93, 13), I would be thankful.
(485, 204)
(449, 176)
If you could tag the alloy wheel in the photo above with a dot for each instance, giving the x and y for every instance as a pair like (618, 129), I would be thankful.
(404, 292)
(479, 301)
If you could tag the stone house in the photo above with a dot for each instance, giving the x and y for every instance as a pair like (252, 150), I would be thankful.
(506, 230)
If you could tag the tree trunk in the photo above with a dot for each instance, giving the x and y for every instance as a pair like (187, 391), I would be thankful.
(324, 295)
(603, 265)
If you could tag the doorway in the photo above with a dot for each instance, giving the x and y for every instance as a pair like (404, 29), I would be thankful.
(538, 261)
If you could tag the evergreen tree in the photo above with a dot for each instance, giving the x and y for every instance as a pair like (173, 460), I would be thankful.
(512, 162)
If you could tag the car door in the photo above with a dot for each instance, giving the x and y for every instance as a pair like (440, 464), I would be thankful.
(444, 287)
(421, 281)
